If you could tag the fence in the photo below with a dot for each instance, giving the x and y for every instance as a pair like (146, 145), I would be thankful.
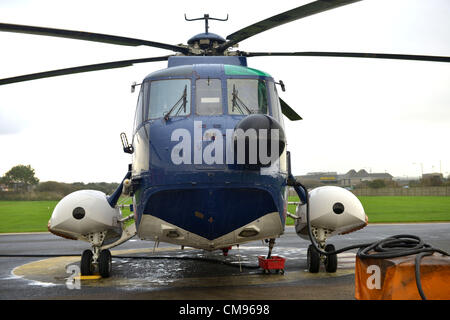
(408, 192)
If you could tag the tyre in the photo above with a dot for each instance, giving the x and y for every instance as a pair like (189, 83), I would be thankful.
(86, 266)
(313, 259)
(330, 260)
(105, 263)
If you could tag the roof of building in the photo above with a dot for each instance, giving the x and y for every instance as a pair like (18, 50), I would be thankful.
(364, 174)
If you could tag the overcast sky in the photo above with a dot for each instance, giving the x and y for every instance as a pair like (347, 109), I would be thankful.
(378, 115)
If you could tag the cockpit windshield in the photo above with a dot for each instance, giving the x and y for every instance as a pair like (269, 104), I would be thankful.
(169, 98)
(208, 95)
(246, 96)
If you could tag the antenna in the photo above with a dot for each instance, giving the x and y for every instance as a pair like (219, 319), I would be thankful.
(206, 17)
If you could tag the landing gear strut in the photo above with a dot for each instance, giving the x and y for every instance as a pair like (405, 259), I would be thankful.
(96, 258)
(100, 256)
(314, 258)
(271, 244)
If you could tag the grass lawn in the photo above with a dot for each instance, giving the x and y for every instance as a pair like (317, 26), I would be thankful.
(30, 216)
(400, 209)
(406, 209)
(25, 216)
(33, 216)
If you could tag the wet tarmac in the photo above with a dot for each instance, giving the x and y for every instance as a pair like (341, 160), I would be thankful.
(141, 271)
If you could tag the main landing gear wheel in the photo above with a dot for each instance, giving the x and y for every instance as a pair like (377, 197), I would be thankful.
(313, 259)
(86, 265)
(330, 260)
(105, 263)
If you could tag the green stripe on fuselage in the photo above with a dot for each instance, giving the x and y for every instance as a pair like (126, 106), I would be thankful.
(244, 71)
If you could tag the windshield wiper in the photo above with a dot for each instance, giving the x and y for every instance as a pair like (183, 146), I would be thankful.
(183, 99)
(236, 101)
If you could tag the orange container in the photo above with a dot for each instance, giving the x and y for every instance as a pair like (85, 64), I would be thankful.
(394, 279)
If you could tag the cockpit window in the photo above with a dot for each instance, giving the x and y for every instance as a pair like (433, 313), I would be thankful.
(208, 96)
(246, 96)
(138, 115)
(169, 98)
(274, 101)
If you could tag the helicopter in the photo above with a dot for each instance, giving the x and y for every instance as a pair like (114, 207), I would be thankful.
(183, 192)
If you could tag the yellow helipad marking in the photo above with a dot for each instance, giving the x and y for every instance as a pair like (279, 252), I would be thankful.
(44, 267)
(146, 250)
(93, 277)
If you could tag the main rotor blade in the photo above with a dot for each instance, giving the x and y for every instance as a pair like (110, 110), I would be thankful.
(282, 18)
(80, 69)
(350, 55)
(88, 36)
(289, 112)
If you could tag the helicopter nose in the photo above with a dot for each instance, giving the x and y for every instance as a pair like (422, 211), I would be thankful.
(258, 140)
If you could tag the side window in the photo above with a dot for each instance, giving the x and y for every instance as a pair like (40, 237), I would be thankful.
(138, 117)
(246, 96)
(275, 101)
(262, 97)
(169, 96)
(208, 96)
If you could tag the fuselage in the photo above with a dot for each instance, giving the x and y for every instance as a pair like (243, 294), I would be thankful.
(189, 190)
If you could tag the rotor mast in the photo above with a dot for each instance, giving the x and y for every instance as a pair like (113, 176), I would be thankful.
(206, 17)
(205, 43)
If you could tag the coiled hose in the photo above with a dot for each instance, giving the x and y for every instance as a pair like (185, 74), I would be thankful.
(391, 247)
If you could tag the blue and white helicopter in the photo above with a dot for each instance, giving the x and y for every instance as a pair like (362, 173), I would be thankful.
(209, 168)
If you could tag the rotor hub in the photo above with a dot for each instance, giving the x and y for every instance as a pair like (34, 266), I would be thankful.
(206, 39)
(205, 42)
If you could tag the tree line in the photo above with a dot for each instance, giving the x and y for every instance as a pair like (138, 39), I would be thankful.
(21, 183)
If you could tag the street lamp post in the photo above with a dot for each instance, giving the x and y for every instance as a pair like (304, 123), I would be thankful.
(421, 167)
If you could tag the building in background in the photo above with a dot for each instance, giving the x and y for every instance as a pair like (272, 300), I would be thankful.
(433, 179)
(348, 180)
(353, 178)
